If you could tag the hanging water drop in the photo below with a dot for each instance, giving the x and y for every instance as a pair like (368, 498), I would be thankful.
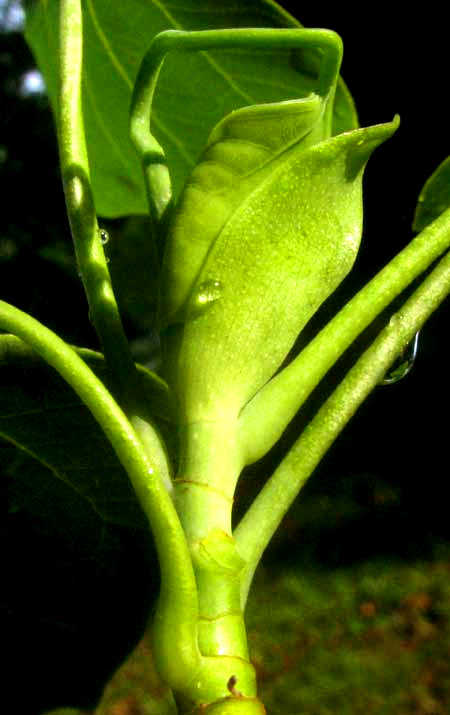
(104, 235)
(404, 363)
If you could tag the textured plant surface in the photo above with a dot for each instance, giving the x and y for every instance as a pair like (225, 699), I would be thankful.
(253, 191)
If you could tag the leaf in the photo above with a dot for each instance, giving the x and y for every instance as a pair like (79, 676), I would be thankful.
(434, 197)
(40, 414)
(67, 575)
(69, 565)
(194, 92)
(240, 154)
(266, 229)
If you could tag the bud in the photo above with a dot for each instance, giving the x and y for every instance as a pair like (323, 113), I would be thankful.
(268, 225)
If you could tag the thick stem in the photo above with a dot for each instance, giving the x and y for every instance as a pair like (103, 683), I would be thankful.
(209, 467)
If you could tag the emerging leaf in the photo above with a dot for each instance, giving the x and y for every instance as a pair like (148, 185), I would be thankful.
(239, 155)
(268, 226)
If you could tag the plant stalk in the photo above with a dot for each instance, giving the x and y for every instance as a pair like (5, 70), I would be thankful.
(92, 264)
(265, 514)
(266, 416)
(175, 623)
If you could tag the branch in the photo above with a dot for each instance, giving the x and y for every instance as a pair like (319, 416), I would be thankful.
(266, 416)
(265, 514)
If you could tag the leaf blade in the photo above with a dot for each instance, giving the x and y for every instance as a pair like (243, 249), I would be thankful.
(291, 235)
(41, 415)
(194, 92)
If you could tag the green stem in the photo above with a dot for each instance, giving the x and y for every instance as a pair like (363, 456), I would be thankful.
(79, 199)
(265, 417)
(265, 514)
(176, 617)
(179, 626)
(209, 468)
(89, 251)
(156, 174)
(204, 489)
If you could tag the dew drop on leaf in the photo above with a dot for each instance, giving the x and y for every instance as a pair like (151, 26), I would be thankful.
(404, 363)
(206, 294)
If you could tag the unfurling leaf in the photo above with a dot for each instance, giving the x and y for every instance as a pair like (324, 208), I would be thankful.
(267, 227)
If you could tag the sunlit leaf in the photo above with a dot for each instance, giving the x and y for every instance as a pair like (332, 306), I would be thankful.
(267, 227)
(195, 90)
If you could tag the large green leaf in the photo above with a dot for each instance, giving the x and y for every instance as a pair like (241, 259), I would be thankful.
(195, 90)
(40, 414)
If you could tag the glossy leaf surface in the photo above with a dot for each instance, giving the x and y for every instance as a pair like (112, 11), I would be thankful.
(268, 226)
(194, 92)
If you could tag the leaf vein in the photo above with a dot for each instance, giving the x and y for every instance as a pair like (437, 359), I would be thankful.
(107, 47)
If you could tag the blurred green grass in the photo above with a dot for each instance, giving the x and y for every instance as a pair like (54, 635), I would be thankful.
(367, 638)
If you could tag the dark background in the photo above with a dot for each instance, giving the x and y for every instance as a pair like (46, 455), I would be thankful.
(380, 490)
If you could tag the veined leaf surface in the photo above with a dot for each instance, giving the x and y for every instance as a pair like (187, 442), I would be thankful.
(41, 415)
(195, 90)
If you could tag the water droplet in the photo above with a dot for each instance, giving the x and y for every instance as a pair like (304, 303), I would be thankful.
(206, 294)
(403, 365)
(104, 235)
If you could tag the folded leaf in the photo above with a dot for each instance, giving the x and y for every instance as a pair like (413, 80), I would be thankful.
(238, 156)
(268, 226)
